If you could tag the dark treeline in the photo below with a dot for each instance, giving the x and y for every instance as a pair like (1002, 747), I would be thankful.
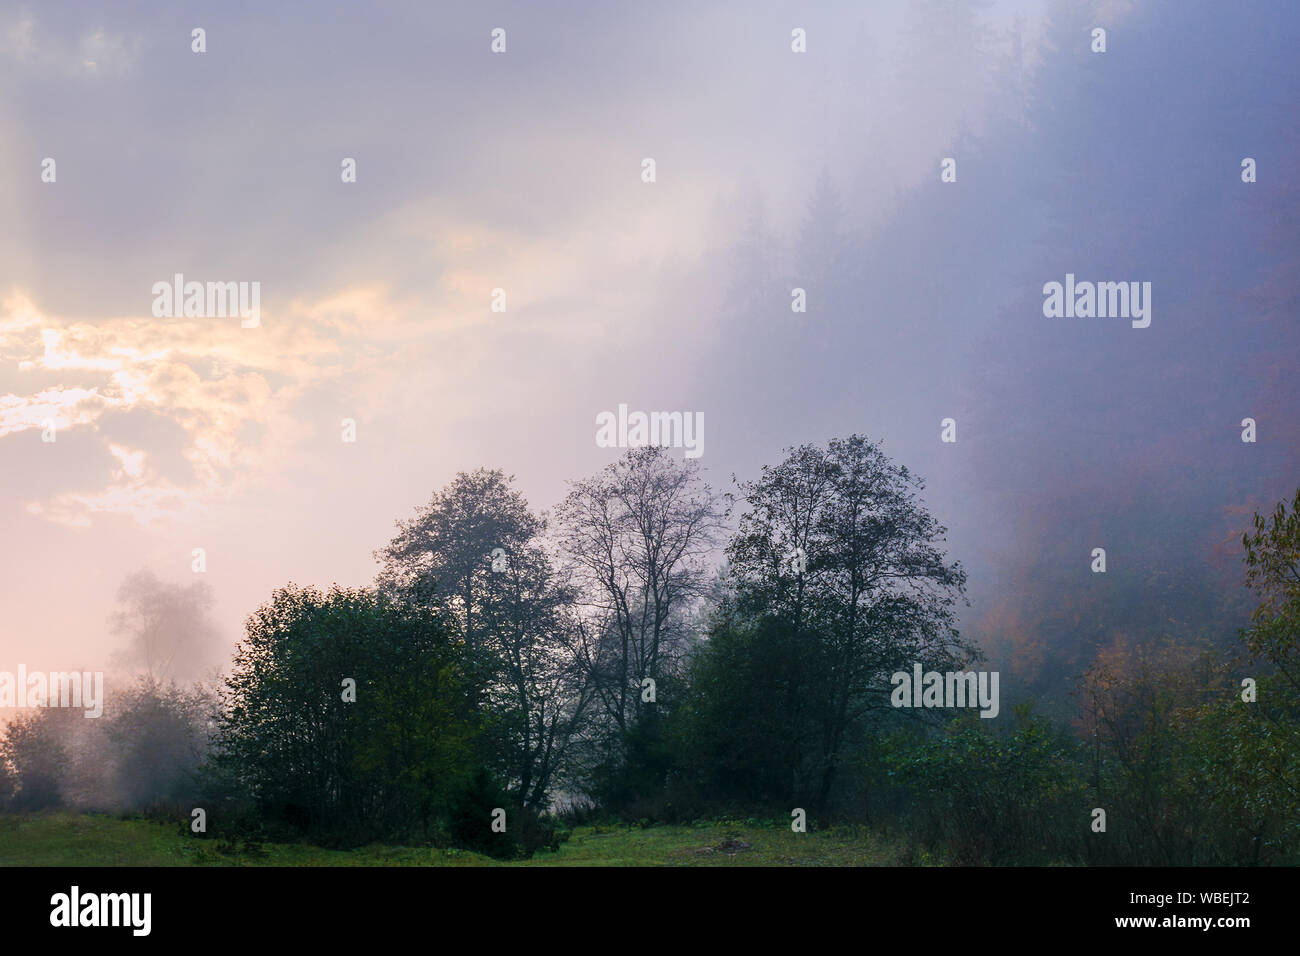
(533, 670)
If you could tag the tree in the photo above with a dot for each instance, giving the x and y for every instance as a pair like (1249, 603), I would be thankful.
(744, 729)
(1257, 745)
(387, 763)
(1273, 573)
(445, 554)
(167, 626)
(158, 737)
(1201, 769)
(993, 795)
(835, 543)
(823, 242)
(475, 551)
(1144, 769)
(638, 536)
(36, 755)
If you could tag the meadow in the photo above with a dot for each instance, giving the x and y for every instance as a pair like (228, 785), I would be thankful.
(92, 839)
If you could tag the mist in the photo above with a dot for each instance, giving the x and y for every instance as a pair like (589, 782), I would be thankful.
(823, 173)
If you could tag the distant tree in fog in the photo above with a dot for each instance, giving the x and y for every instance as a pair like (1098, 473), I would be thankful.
(169, 634)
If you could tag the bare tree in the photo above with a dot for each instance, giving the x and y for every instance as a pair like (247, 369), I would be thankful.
(638, 537)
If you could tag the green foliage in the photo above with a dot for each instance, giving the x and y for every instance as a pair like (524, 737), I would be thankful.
(1248, 753)
(385, 765)
(471, 816)
(79, 840)
(1273, 574)
(158, 737)
(35, 758)
(746, 731)
(642, 780)
(1189, 771)
(787, 694)
(475, 553)
(836, 544)
(1245, 760)
(1139, 760)
(994, 797)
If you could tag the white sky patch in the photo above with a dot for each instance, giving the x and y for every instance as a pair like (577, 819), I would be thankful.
(132, 462)
(58, 358)
(65, 407)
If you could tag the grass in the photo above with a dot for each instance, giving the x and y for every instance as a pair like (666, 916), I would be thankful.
(77, 839)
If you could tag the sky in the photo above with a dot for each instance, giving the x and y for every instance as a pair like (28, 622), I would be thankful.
(522, 171)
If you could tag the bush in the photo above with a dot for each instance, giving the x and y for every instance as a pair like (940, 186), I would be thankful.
(382, 766)
(471, 816)
(995, 798)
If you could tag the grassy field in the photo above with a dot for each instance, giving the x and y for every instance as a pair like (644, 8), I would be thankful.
(70, 839)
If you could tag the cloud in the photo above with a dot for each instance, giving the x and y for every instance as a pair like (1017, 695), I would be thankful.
(39, 50)
(210, 377)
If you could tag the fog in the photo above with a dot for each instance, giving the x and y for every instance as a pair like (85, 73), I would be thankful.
(521, 171)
